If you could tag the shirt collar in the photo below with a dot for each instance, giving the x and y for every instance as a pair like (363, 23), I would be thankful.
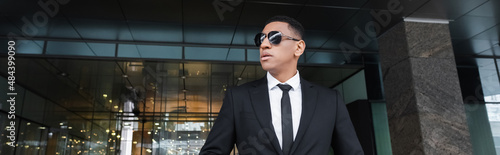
(273, 82)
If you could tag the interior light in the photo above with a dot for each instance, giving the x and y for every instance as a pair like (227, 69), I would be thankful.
(104, 95)
(64, 74)
(116, 107)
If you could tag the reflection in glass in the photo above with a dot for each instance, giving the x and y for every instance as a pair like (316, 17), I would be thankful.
(90, 108)
(494, 117)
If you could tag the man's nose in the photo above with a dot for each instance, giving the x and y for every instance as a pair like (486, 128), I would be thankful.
(265, 43)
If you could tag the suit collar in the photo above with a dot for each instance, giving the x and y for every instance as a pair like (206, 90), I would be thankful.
(293, 81)
(260, 102)
(309, 96)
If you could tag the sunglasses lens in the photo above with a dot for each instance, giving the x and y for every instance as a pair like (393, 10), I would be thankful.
(259, 38)
(274, 37)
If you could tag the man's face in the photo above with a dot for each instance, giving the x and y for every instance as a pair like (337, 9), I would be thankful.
(276, 58)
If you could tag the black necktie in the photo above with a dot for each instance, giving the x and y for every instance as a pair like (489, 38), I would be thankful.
(286, 119)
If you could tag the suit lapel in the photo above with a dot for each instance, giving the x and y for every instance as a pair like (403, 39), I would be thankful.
(260, 101)
(309, 96)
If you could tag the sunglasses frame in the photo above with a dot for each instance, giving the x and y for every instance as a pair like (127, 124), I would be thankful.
(258, 38)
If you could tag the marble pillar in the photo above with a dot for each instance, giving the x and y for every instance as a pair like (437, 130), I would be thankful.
(424, 101)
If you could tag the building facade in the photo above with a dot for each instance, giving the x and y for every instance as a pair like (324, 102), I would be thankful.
(148, 77)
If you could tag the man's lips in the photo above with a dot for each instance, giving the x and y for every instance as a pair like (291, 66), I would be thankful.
(265, 56)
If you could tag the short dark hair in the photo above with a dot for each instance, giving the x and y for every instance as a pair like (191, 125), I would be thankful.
(293, 24)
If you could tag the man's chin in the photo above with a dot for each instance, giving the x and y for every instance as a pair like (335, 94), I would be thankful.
(265, 67)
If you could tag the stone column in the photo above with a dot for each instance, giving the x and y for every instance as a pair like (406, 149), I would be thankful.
(424, 102)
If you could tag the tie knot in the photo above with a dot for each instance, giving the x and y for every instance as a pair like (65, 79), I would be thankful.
(285, 87)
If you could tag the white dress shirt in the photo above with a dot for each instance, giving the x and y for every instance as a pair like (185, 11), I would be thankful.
(275, 94)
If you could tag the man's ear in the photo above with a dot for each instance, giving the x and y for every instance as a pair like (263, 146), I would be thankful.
(301, 46)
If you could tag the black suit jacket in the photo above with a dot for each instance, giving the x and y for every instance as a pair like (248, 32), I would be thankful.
(245, 119)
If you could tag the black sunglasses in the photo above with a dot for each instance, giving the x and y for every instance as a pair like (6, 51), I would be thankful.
(274, 38)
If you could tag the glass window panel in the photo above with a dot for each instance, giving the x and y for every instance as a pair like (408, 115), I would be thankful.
(202, 53)
(181, 137)
(60, 142)
(101, 29)
(29, 47)
(236, 55)
(128, 50)
(494, 117)
(253, 55)
(208, 34)
(30, 134)
(381, 128)
(155, 51)
(489, 79)
(496, 50)
(355, 88)
(33, 108)
(4, 139)
(61, 28)
(245, 35)
(197, 95)
(495, 92)
(103, 49)
(54, 115)
(99, 136)
(68, 48)
(479, 128)
(250, 73)
(156, 31)
(222, 78)
(173, 106)
(325, 58)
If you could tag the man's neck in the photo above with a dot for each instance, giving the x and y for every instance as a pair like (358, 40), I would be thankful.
(283, 76)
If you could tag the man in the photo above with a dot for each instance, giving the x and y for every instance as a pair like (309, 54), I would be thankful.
(282, 113)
